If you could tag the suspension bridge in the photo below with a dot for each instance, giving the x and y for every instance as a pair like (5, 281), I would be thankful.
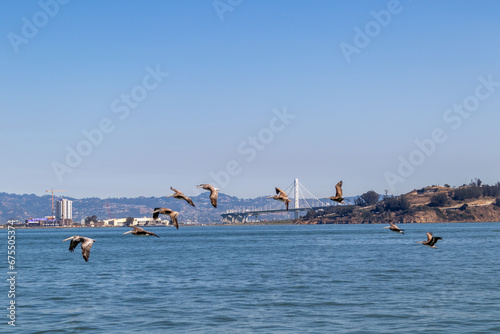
(297, 190)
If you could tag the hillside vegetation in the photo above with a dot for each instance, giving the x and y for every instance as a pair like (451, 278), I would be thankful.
(470, 203)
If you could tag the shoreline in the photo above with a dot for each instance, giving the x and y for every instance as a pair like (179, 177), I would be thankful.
(280, 222)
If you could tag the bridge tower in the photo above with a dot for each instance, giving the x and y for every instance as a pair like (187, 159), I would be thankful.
(296, 195)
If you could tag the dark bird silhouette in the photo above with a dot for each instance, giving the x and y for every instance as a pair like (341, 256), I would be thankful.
(281, 196)
(86, 244)
(431, 240)
(393, 227)
(140, 231)
(180, 195)
(214, 193)
(166, 211)
(338, 194)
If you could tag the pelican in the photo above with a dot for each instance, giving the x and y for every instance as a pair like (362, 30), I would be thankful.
(179, 195)
(431, 241)
(140, 231)
(86, 245)
(214, 192)
(281, 196)
(166, 211)
(338, 194)
(393, 227)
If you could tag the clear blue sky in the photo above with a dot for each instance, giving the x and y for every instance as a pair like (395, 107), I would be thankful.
(356, 83)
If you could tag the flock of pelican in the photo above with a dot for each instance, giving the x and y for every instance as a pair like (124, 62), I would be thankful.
(431, 240)
(283, 197)
(86, 243)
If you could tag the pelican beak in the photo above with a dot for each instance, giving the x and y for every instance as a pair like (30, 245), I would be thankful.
(70, 238)
(128, 232)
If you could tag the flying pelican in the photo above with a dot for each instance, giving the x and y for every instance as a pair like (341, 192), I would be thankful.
(431, 241)
(166, 211)
(86, 245)
(214, 192)
(179, 195)
(140, 231)
(338, 194)
(393, 227)
(281, 196)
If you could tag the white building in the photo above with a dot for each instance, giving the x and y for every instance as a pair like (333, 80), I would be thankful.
(144, 221)
(64, 209)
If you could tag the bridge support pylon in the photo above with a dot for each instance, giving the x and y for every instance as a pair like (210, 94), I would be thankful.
(296, 194)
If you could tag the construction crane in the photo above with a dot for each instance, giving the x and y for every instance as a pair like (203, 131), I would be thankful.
(109, 212)
(53, 191)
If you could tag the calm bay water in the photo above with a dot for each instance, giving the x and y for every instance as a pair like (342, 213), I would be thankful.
(258, 279)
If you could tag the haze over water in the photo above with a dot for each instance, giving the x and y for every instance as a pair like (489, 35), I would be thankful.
(260, 279)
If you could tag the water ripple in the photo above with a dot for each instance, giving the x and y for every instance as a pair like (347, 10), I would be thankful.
(261, 279)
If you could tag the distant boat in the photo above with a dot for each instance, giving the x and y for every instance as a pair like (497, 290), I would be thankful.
(86, 244)
(431, 240)
(140, 231)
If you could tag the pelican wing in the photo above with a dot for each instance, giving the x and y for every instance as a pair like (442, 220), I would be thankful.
(180, 195)
(175, 190)
(433, 241)
(173, 216)
(86, 246)
(137, 228)
(206, 186)
(151, 233)
(213, 197)
(158, 211)
(189, 200)
(73, 244)
(213, 193)
(338, 190)
(280, 192)
(429, 236)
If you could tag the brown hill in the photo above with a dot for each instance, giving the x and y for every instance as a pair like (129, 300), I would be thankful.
(434, 204)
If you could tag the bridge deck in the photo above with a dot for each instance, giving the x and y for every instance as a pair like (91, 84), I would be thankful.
(258, 212)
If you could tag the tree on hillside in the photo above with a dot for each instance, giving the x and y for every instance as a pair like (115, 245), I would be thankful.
(368, 198)
(468, 192)
(493, 191)
(477, 182)
(439, 200)
(399, 203)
